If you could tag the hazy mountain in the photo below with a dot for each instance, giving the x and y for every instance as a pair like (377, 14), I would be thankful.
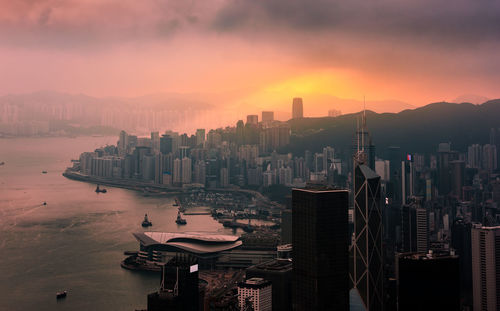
(471, 98)
(415, 130)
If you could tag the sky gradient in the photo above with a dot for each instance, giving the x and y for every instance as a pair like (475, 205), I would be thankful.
(255, 55)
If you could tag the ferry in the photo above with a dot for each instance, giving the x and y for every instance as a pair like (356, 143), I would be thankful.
(176, 203)
(2, 163)
(44, 203)
(97, 190)
(60, 295)
(180, 220)
(146, 222)
(44, 172)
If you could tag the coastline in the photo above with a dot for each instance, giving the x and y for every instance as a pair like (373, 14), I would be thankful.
(155, 189)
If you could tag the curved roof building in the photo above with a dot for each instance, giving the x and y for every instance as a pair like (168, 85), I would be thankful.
(197, 243)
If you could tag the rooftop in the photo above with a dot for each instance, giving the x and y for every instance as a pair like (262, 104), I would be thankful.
(192, 242)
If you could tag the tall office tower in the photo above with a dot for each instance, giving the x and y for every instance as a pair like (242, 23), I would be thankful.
(457, 169)
(186, 170)
(177, 171)
(489, 157)
(240, 132)
(179, 288)
(320, 249)
(267, 116)
(485, 267)
(367, 269)
(255, 294)
(123, 144)
(461, 242)
(428, 281)
(159, 168)
(414, 228)
(474, 156)
(155, 142)
(334, 113)
(200, 137)
(279, 273)
(495, 140)
(393, 188)
(253, 119)
(444, 158)
(297, 108)
(166, 144)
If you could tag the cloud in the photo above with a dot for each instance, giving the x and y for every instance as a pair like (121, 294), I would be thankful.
(458, 22)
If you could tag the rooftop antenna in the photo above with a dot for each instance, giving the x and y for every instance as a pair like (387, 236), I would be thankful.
(363, 125)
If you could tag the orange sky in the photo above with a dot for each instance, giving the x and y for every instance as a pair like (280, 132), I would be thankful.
(253, 55)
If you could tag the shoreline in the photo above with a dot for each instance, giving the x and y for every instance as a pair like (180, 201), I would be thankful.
(157, 189)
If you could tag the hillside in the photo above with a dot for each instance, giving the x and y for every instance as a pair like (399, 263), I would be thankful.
(416, 130)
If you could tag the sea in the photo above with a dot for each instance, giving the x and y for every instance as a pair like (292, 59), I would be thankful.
(76, 241)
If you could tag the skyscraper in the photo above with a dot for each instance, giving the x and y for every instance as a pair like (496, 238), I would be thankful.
(415, 228)
(200, 137)
(253, 119)
(267, 116)
(297, 108)
(486, 267)
(367, 269)
(320, 249)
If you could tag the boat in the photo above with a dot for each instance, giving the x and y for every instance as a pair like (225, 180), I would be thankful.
(2, 163)
(44, 172)
(180, 220)
(176, 203)
(60, 295)
(146, 222)
(44, 203)
(98, 190)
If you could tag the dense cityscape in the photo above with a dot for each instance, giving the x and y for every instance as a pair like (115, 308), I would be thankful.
(239, 155)
(393, 229)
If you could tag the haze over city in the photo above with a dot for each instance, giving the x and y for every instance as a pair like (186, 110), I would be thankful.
(248, 56)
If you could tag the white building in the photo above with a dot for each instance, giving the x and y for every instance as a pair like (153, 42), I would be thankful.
(257, 292)
(485, 255)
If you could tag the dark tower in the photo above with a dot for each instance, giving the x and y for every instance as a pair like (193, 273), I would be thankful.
(320, 249)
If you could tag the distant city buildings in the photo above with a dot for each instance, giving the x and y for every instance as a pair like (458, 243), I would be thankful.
(297, 108)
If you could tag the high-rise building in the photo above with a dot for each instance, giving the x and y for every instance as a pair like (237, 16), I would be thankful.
(255, 294)
(367, 270)
(166, 144)
(155, 142)
(297, 108)
(200, 137)
(334, 113)
(461, 242)
(320, 249)
(186, 170)
(457, 169)
(279, 273)
(485, 267)
(414, 228)
(428, 281)
(253, 119)
(267, 116)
